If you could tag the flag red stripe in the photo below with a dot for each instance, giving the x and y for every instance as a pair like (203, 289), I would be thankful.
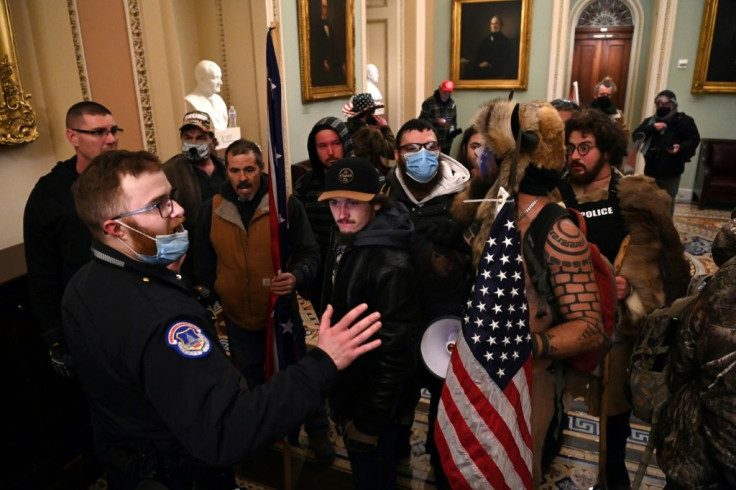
(452, 472)
(514, 397)
(473, 447)
(493, 418)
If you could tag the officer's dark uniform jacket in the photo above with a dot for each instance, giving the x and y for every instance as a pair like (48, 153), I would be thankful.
(374, 267)
(156, 377)
(605, 225)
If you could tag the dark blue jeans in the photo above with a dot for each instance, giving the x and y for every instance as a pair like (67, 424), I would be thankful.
(376, 469)
(248, 350)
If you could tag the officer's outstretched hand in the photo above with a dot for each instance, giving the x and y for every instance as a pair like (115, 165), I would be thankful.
(345, 342)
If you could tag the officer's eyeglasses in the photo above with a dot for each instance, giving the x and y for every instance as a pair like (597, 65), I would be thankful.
(165, 207)
(99, 132)
(583, 148)
(413, 147)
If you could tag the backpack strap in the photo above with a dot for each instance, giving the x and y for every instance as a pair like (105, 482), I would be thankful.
(534, 240)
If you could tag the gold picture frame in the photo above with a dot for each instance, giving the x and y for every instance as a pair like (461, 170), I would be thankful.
(327, 49)
(482, 59)
(17, 119)
(715, 65)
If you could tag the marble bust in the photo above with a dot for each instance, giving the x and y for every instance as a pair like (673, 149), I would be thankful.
(205, 96)
(371, 72)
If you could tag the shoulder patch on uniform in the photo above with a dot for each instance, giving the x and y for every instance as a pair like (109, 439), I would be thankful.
(188, 340)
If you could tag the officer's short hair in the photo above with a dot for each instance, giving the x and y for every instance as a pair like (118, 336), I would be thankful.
(97, 193)
(80, 109)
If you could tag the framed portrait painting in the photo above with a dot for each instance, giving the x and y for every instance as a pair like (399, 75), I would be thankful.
(490, 44)
(326, 46)
(715, 66)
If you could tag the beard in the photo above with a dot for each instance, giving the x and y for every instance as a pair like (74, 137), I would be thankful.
(418, 187)
(589, 175)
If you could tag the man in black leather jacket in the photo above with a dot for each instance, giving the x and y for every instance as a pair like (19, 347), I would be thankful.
(369, 262)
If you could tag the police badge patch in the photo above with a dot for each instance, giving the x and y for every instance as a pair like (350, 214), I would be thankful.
(188, 340)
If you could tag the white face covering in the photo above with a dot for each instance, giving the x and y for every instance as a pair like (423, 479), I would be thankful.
(195, 152)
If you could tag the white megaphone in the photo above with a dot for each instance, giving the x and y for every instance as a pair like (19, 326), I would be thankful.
(438, 342)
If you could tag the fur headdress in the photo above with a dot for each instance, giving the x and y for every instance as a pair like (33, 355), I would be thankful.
(530, 133)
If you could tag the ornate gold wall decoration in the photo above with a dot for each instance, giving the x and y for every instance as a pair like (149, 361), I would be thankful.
(17, 119)
(141, 73)
(78, 49)
(223, 52)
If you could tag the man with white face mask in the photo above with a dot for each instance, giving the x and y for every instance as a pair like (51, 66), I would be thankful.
(196, 173)
(426, 181)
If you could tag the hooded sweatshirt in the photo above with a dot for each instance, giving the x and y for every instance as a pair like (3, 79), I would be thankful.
(374, 267)
(310, 185)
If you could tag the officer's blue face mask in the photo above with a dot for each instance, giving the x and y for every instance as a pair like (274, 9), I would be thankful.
(421, 165)
(195, 152)
(169, 248)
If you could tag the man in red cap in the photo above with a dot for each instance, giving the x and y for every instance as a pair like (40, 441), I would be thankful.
(440, 110)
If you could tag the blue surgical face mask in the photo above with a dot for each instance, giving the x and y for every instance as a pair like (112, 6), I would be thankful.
(421, 165)
(169, 248)
(195, 152)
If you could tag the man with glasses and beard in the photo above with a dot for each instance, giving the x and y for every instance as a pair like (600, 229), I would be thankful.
(426, 181)
(594, 142)
(169, 410)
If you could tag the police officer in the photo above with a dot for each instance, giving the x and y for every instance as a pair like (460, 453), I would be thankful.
(166, 402)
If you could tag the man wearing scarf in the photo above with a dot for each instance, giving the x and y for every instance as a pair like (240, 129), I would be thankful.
(670, 139)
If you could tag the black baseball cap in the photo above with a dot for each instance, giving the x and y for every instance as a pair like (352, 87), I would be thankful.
(351, 178)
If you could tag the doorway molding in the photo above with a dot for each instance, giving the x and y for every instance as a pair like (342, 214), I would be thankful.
(564, 22)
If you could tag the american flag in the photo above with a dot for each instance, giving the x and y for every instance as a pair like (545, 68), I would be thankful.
(483, 430)
(281, 347)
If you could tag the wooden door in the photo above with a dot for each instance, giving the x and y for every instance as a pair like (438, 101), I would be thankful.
(601, 52)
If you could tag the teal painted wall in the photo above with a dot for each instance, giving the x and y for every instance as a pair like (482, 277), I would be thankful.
(713, 113)
(468, 101)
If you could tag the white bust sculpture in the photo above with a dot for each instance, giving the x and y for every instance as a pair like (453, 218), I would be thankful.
(371, 72)
(205, 96)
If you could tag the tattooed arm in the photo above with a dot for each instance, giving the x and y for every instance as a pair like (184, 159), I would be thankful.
(573, 283)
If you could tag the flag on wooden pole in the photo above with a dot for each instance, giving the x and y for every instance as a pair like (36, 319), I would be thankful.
(283, 325)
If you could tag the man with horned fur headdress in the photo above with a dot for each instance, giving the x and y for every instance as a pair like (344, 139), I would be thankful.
(530, 137)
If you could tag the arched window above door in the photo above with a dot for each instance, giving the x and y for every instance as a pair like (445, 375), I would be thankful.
(606, 13)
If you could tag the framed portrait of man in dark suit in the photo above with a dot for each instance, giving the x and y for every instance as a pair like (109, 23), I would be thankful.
(715, 66)
(326, 48)
(490, 43)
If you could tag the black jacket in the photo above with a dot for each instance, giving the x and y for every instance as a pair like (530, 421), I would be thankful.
(681, 130)
(56, 244)
(439, 296)
(127, 324)
(374, 267)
